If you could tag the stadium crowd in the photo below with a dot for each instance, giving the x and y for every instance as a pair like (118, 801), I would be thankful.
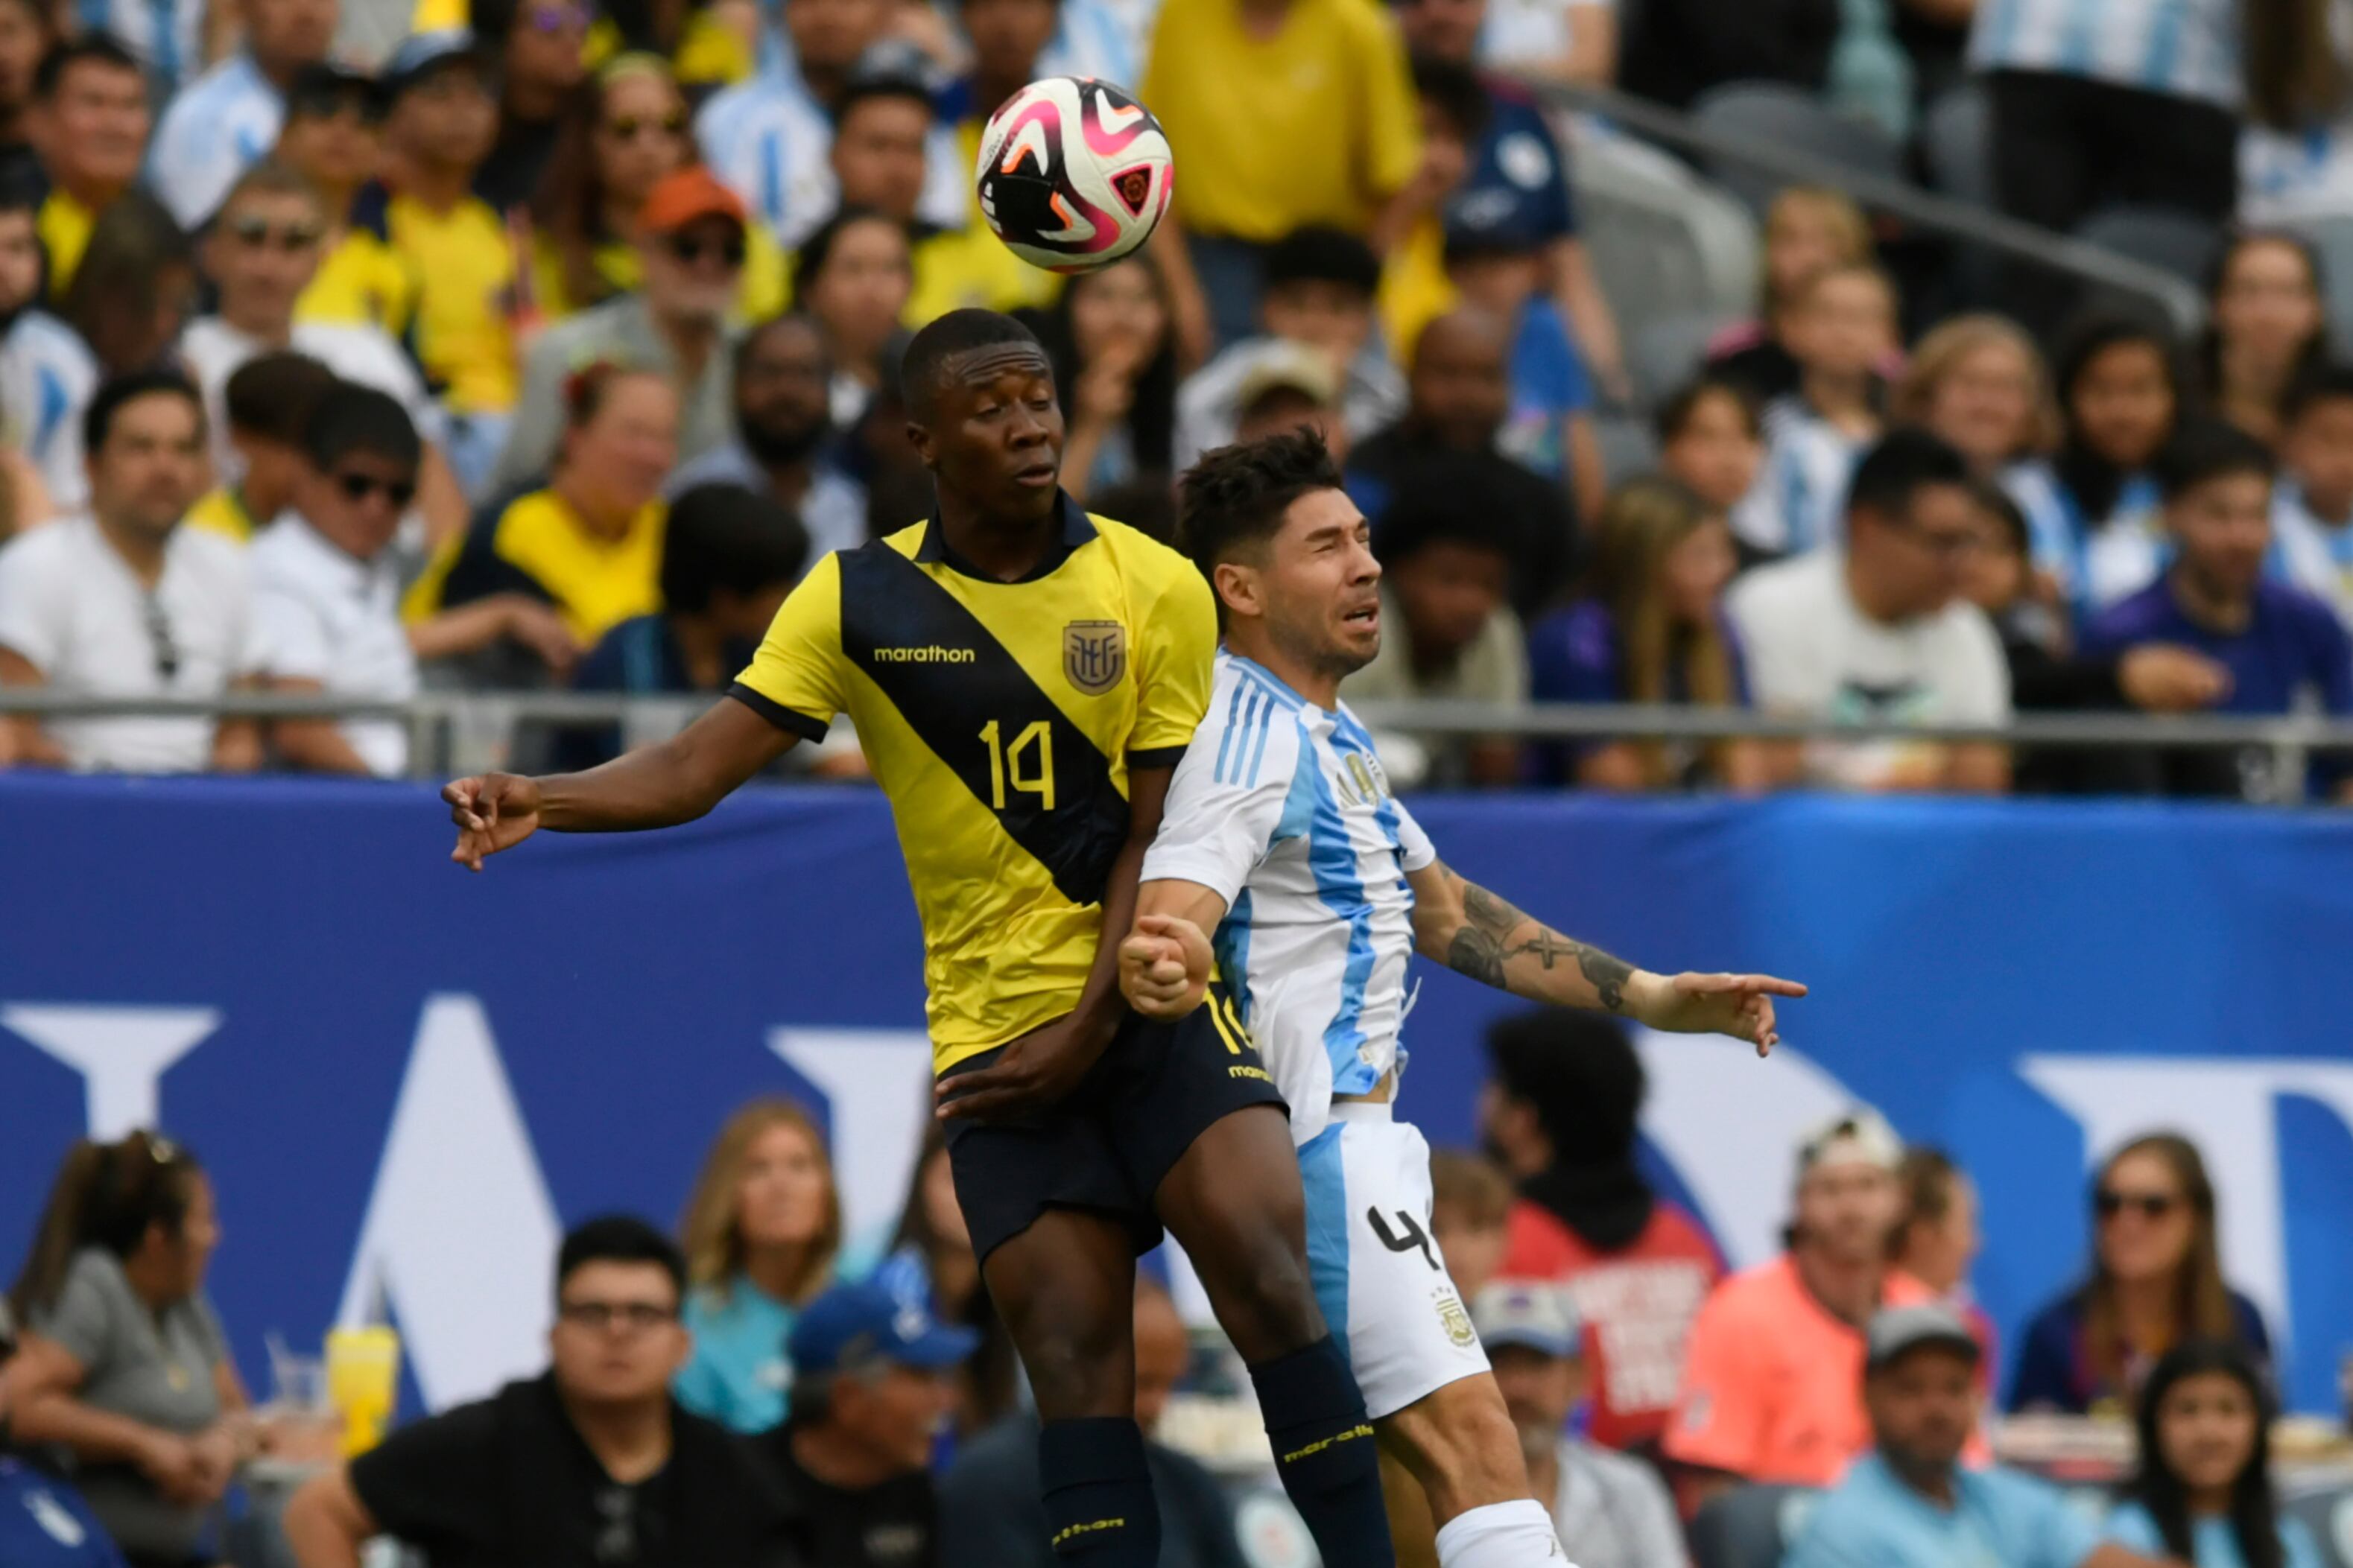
(767, 1389)
(524, 344)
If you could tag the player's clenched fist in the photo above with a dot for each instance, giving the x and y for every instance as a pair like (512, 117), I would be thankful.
(1163, 966)
(494, 812)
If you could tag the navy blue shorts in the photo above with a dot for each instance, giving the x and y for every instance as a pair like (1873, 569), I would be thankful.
(1156, 1087)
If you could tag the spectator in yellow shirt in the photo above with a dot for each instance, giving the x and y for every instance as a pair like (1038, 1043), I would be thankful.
(619, 140)
(1283, 114)
(334, 137)
(590, 541)
(89, 125)
(268, 401)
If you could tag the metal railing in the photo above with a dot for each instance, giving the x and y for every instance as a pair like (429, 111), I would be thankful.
(454, 731)
(1921, 209)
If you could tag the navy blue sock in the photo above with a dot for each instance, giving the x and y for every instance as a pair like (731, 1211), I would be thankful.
(1099, 1505)
(1325, 1453)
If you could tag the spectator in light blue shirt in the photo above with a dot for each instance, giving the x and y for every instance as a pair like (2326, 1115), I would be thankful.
(761, 1231)
(227, 120)
(2204, 1494)
(1909, 1503)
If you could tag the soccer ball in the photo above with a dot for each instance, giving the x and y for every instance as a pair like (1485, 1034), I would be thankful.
(1074, 173)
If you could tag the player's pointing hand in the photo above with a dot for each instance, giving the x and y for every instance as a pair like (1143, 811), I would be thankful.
(494, 812)
(1740, 1005)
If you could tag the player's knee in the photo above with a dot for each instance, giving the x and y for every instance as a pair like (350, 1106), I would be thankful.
(1077, 1362)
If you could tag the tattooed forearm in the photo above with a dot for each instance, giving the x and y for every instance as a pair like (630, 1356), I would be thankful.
(1476, 953)
(1608, 974)
(1494, 933)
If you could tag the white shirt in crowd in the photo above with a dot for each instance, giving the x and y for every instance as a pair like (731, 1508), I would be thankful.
(215, 350)
(215, 129)
(833, 512)
(322, 615)
(2095, 562)
(47, 379)
(2316, 554)
(2184, 48)
(71, 607)
(1612, 1511)
(1813, 652)
(1529, 35)
(1798, 501)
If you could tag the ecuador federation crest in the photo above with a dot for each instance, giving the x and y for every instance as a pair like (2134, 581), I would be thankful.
(1094, 655)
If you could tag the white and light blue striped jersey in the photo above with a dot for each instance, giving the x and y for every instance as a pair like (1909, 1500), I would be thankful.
(215, 129)
(1798, 502)
(47, 378)
(771, 142)
(1281, 808)
(2186, 49)
(2313, 553)
(2094, 561)
(1092, 40)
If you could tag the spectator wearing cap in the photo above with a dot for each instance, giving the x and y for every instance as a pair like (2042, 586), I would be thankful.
(44, 1522)
(1911, 1502)
(266, 403)
(1447, 545)
(47, 374)
(590, 1462)
(873, 1383)
(1560, 1112)
(1330, 141)
(226, 119)
(334, 137)
(691, 247)
(729, 557)
(616, 144)
(542, 52)
(1773, 1370)
(125, 602)
(262, 252)
(1292, 390)
(89, 125)
(991, 1515)
(770, 137)
(1879, 630)
(1318, 292)
(1458, 415)
(1610, 1510)
(784, 431)
(442, 118)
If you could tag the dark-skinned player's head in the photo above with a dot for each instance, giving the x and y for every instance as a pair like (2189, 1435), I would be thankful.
(1287, 552)
(982, 415)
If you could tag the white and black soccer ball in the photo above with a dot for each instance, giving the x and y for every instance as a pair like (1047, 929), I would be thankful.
(1074, 173)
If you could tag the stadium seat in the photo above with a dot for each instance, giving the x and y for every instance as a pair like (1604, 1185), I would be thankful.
(1665, 243)
(1628, 449)
(2329, 1514)
(1663, 353)
(1751, 1526)
(2178, 242)
(1776, 115)
(1957, 141)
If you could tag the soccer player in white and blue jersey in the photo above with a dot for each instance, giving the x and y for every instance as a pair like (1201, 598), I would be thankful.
(1282, 839)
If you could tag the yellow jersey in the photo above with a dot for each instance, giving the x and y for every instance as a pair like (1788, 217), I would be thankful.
(362, 281)
(1001, 720)
(222, 510)
(764, 292)
(64, 225)
(465, 271)
(538, 545)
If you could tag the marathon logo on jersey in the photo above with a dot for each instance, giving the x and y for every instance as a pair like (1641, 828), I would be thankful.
(1094, 655)
(933, 654)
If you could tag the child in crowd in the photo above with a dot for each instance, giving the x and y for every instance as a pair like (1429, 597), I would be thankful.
(2312, 506)
(1712, 442)
(1840, 326)
(1808, 229)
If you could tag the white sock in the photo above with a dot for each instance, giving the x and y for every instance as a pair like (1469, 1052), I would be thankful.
(1501, 1535)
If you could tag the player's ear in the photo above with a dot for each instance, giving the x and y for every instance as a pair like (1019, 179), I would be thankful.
(919, 436)
(1237, 587)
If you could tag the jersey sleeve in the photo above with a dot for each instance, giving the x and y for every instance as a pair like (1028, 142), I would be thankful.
(795, 682)
(1415, 851)
(1225, 806)
(1175, 654)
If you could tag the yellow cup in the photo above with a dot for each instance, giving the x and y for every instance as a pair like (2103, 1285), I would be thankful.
(363, 1382)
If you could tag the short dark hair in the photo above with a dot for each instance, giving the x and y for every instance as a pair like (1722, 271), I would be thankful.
(1318, 254)
(2202, 449)
(753, 337)
(2330, 381)
(273, 396)
(20, 192)
(1455, 90)
(1580, 1075)
(354, 418)
(924, 365)
(863, 88)
(725, 537)
(1906, 460)
(493, 20)
(100, 48)
(618, 1238)
(120, 391)
(1992, 499)
(1448, 499)
(1234, 497)
(1675, 415)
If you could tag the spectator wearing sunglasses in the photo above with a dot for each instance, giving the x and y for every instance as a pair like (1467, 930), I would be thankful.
(90, 126)
(262, 253)
(691, 247)
(592, 1461)
(124, 602)
(443, 115)
(334, 137)
(2156, 1282)
(222, 123)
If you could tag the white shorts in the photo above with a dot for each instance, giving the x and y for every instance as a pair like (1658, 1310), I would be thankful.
(1379, 1277)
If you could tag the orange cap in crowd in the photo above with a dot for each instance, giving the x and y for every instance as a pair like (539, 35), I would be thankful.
(687, 195)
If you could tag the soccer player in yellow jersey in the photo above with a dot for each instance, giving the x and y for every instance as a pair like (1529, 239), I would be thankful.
(1024, 677)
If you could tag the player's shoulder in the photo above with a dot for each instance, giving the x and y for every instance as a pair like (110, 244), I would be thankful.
(1252, 732)
(1144, 559)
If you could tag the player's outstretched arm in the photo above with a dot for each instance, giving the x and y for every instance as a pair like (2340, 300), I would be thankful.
(653, 787)
(1163, 964)
(1472, 931)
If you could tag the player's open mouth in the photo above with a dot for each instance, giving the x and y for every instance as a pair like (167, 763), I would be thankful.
(1037, 474)
(1371, 616)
